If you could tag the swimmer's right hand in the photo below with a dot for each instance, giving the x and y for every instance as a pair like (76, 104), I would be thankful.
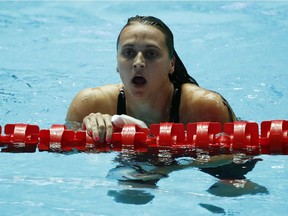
(97, 125)
(100, 126)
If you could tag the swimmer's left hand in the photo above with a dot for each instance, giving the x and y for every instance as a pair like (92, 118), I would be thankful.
(121, 120)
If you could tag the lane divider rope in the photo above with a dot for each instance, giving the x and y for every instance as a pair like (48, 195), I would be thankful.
(270, 137)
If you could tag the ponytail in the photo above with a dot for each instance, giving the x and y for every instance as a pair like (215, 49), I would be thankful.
(180, 74)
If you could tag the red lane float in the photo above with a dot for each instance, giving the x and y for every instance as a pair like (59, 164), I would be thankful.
(274, 137)
(58, 138)
(19, 138)
(211, 137)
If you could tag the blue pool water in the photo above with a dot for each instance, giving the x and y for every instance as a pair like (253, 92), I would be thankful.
(51, 50)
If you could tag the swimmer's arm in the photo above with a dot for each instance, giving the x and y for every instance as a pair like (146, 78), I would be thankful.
(102, 99)
(92, 109)
(214, 161)
(219, 108)
(213, 109)
(81, 106)
(200, 105)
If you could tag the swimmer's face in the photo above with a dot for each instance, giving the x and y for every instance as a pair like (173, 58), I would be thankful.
(143, 59)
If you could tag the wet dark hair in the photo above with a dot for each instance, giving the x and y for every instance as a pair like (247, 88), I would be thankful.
(180, 74)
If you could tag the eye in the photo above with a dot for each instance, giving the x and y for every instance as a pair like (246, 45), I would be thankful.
(151, 54)
(128, 53)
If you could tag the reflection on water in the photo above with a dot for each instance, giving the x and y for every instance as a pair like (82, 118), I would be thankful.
(236, 187)
(138, 174)
(135, 192)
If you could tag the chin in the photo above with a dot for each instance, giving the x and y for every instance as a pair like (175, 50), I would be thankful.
(139, 92)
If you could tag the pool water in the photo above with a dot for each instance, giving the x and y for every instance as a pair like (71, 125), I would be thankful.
(51, 50)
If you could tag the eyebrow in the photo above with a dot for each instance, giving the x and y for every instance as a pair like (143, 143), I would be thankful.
(147, 46)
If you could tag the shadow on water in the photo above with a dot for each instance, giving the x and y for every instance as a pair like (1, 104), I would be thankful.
(137, 180)
(138, 176)
(130, 196)
(212, 208)
(232, 181)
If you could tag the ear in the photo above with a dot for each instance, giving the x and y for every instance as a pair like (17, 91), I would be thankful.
(172, 65)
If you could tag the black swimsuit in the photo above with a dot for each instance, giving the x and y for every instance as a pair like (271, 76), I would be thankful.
(174, 111)
(175, 103)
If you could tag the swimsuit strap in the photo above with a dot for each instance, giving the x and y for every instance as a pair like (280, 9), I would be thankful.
(174, 111)
(232, 116)
(121, 104)
(175, 104)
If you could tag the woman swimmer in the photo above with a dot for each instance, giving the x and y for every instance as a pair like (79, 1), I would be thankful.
(155, 88)
(155, 85)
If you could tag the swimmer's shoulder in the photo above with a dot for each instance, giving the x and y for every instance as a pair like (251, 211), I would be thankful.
(197, 93)
(200, 104)
(101, 99)
(95, 94)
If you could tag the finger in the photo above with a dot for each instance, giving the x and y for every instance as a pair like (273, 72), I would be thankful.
(101, 128)
(87, 125)
(109, 128)
(89, 122)
(83, 125)
(94, 126)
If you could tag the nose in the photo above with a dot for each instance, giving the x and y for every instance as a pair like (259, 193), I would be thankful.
(139, 61)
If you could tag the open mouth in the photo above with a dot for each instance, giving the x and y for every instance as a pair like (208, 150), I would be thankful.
(138, 80)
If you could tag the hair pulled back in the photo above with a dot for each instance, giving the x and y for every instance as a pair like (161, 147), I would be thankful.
(180, 74)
